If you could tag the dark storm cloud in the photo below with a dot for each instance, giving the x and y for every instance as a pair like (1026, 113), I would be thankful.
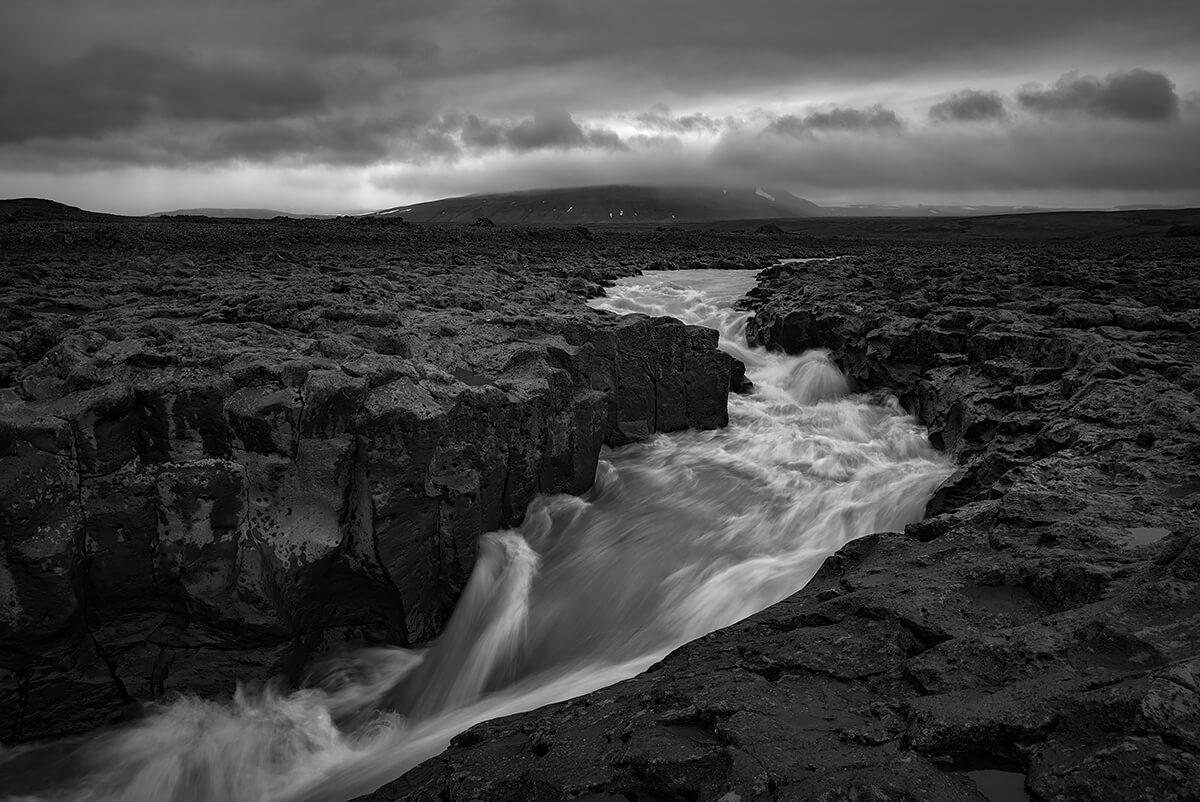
(969, 105)
(659, 118)
(332, 140)
(714, 45)
(482, 134)
(504, 57)
(414, 136)
(115, 88)
(1032, 155)
(388, 84)
(1139, 95)
(876, 119)
(400, 47)
(553, 129)
(558, 130)
(654, 142)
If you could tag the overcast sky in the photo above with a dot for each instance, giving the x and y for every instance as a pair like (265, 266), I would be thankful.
(313, 105)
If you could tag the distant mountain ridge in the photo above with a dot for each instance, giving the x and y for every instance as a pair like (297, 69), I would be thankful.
(584, 205)
(931, 210)
(43, 209)
(251, 214)
(621, 203)
(612, 204)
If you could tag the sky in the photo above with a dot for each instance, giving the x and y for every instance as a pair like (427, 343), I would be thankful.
(135, 106)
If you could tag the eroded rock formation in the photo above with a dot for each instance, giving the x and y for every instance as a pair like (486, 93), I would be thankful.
(224, 447)
(1037, 636)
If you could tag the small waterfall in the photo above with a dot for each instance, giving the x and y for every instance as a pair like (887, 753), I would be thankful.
(484, 638)
(815, 379)
(680, 535)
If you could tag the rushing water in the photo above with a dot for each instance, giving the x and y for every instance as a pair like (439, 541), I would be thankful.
(679, 536)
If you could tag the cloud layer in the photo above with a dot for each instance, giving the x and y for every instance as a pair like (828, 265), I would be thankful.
(553, 129)
(969, 106)
(876, 118)
(1134, 95)
(111, 89)
(403, 96)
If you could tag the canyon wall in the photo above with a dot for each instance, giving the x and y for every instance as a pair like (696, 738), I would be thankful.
(220, 456)
(1035, 637)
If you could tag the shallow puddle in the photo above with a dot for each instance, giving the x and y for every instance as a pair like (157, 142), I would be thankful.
(1009, 600)
(1144, 535)
(469, 378)
(1184, 489)
(1000, 786)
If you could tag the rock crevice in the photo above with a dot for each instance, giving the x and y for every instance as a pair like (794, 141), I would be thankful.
(1037, 630)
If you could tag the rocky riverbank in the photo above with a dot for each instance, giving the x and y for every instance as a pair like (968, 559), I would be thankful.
(1036, 637)
(226, 446)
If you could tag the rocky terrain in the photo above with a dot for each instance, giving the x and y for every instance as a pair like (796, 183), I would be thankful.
(1037, 636)
(227, 446)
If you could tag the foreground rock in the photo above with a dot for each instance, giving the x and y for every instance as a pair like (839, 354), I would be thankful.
(1037, 637)
(225, 446)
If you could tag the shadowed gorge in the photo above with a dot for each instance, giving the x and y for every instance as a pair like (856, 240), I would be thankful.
(240, 445)
(679, 536)
(1033, 638)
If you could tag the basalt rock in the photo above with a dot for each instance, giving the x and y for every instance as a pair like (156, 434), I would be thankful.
(226, 446)
(1036, 637)
(1005, 365)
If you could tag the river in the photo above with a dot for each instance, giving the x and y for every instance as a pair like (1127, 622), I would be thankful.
(682, 534)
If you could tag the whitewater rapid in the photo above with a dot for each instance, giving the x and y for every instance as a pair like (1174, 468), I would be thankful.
(680, 535)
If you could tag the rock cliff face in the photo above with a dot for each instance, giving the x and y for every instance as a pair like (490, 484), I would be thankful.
(218, 455)
(1038, 636)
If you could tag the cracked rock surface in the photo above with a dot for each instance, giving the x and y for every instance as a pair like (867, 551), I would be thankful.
(228, 445)
(1038, 635)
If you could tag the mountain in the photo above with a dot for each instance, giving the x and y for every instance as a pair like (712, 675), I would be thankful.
(32, 209)
(251, 214)
(612, 204)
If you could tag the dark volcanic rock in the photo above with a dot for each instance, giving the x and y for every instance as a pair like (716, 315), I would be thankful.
(1040, 629)
(1005, 366)
(227, 445)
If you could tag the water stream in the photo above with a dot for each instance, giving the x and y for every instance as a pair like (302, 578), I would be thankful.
(680, 535)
